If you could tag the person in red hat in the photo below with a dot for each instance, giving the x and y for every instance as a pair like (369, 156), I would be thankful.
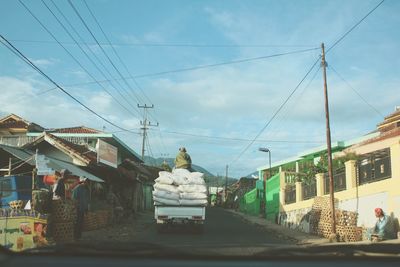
(383, 229)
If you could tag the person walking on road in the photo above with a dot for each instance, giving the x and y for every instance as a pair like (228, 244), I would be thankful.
(183, 160)
(81, 195)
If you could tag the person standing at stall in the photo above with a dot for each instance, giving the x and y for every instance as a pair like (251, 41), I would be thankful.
(82, 196)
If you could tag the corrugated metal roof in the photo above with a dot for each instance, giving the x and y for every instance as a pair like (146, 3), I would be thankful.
(59, 165)
(20, 153)
(55, 164)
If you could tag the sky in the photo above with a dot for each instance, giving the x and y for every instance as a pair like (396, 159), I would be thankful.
(214, 111)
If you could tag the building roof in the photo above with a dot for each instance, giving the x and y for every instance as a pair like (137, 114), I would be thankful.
(75, 130)
(76, 151)
(14, 122)
(390, 122)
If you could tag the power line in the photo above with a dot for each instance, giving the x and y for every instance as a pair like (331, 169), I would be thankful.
(224, 63)
(194, 68)
(276, 112)
(356, 92)
(238, 139)
(115, 52)
(297, 100)
(166, 44)
(355, 26)
(96, 57)
(13, 49)
(65, 49)
(88, 57)
(102, 49)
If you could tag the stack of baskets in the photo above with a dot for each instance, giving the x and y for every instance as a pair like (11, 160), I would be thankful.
(96, 220)
(64, 216)
(346, 221)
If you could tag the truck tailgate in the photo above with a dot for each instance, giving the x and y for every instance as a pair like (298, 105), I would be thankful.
(179, 212)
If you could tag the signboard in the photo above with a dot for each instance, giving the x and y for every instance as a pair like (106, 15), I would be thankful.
(41, 165)
(24, 232)
(107, 154)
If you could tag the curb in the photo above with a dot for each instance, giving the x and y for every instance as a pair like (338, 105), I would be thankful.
(299, 238)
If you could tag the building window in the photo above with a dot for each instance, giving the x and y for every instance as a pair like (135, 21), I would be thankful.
(374, 166)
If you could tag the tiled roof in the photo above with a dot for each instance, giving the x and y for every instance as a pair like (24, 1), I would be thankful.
(76, 130)
(383, 136)
(11, 123)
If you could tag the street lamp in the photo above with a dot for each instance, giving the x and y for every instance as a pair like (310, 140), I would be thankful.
(263, 203)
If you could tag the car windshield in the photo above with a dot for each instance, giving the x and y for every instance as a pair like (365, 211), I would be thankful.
(236, 128)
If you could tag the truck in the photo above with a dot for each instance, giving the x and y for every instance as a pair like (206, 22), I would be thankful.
(168, 216)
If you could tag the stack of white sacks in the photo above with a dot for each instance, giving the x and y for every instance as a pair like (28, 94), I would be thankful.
(180, 188)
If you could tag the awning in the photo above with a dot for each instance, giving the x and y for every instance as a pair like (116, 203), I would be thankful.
(19, 153)
(55, 164)
(59, 165)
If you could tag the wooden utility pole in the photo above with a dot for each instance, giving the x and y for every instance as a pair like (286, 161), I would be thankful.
(145, 123)
(226, 182)
(328, 143)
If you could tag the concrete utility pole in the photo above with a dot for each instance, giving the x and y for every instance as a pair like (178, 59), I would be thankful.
(328, 143)
(145, 123)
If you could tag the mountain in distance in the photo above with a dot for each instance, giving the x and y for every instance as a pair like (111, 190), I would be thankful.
(211, 179)
(170, 161)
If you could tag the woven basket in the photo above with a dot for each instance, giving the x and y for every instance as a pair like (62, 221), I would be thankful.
(63, 232)
(63, 211)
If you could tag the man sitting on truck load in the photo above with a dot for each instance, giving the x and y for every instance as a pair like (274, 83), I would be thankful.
(183, 160)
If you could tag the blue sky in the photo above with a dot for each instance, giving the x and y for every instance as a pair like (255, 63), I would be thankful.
(233, 100)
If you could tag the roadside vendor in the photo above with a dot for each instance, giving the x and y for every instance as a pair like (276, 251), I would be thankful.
(183, 160)
(383, 229)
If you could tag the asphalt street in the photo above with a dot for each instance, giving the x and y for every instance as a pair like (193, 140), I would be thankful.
(224, 232)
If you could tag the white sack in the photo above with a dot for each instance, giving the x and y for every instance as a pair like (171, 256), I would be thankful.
(180, 180)
(197, 180)
(166, 194)
(166, 187)
(181, 172)
(193, 196)
(193, 202)
(196, 175)
(164, 180)
(192, 188)
(164, 201)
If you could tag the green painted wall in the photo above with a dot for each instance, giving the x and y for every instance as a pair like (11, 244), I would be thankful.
(250, 203)
(272, 197)
(148, 197)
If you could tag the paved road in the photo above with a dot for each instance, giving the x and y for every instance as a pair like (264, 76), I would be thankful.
(222, 228)
(224, 233)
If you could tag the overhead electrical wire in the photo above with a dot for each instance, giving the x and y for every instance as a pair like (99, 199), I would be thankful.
(119, 58)
(116, 53)
(275, 113)
(66, 50)
(167, 44)
(88, 57)
(356, 92)
(95, 56)
(354, 26)
(224, 63)
(287, 99)
(18, 53)
(297, 100)
(104, 52)
(238, 139)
